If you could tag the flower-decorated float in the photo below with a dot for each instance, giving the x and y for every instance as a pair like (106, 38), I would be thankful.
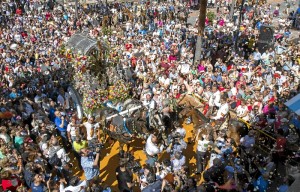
(102, 90)
(95, 77)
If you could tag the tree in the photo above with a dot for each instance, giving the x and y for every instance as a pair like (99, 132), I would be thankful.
(201, 28)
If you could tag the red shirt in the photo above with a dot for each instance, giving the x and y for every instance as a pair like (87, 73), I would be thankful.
(48, 15)
(128, 46)
(238, 103)
(280, 145)
(249, 107)
(133, 61)
(24, 34)
(10, 184)
(19, 12)
(164, 65)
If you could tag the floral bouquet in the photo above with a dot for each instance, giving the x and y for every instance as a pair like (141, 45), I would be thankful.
(93, 99)
(119, 91)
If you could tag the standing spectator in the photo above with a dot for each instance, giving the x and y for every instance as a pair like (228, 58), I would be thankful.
(91, 130)
(38, 184)
(90, 166)
(63, 99)
(61, 125)
(178, 161)
(72, 130)
(203, 143)
(248, 141)
(152, 149)
(124, 177)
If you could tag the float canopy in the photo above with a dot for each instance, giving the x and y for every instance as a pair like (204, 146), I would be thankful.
(81, 43)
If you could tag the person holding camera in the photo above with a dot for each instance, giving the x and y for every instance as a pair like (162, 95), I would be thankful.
(61, 125)
(176, 143)
(179, 129)
(124, 176)
(163, 168)
(143, 175)
(90, 165)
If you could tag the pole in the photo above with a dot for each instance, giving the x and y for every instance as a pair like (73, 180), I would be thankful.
(232, 9)
(76, 9)
(201, 27)
(124, 112)
(239, 25)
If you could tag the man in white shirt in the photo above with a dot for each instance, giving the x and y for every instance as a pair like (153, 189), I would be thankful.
(63, 99)
(71, 130)
(265, 56)
(78, 188)
(242, 111)
(257, 56)
(178, 160)
(222, 111)
(91, 129)
(152, 149)
(202, 146)
(214, 100)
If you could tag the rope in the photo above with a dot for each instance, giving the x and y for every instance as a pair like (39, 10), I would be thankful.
(265, 134)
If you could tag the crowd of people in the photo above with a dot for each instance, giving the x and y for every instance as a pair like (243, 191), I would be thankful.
(155, 48)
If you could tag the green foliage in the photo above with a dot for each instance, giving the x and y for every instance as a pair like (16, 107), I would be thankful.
(211, 16)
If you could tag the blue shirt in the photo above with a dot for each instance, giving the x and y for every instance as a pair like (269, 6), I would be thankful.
(13, 95)
(248, 141)
(261, 184)
(89, 170)
(39, 188)
(57, 122)
(224, 68)
(283, 188)
(226, 150)
(258, 25)
(51, 114)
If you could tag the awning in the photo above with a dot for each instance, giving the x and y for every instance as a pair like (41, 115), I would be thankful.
(294, 104)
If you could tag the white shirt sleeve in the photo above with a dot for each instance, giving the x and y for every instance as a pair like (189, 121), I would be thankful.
(217, 100)
(69, 127)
